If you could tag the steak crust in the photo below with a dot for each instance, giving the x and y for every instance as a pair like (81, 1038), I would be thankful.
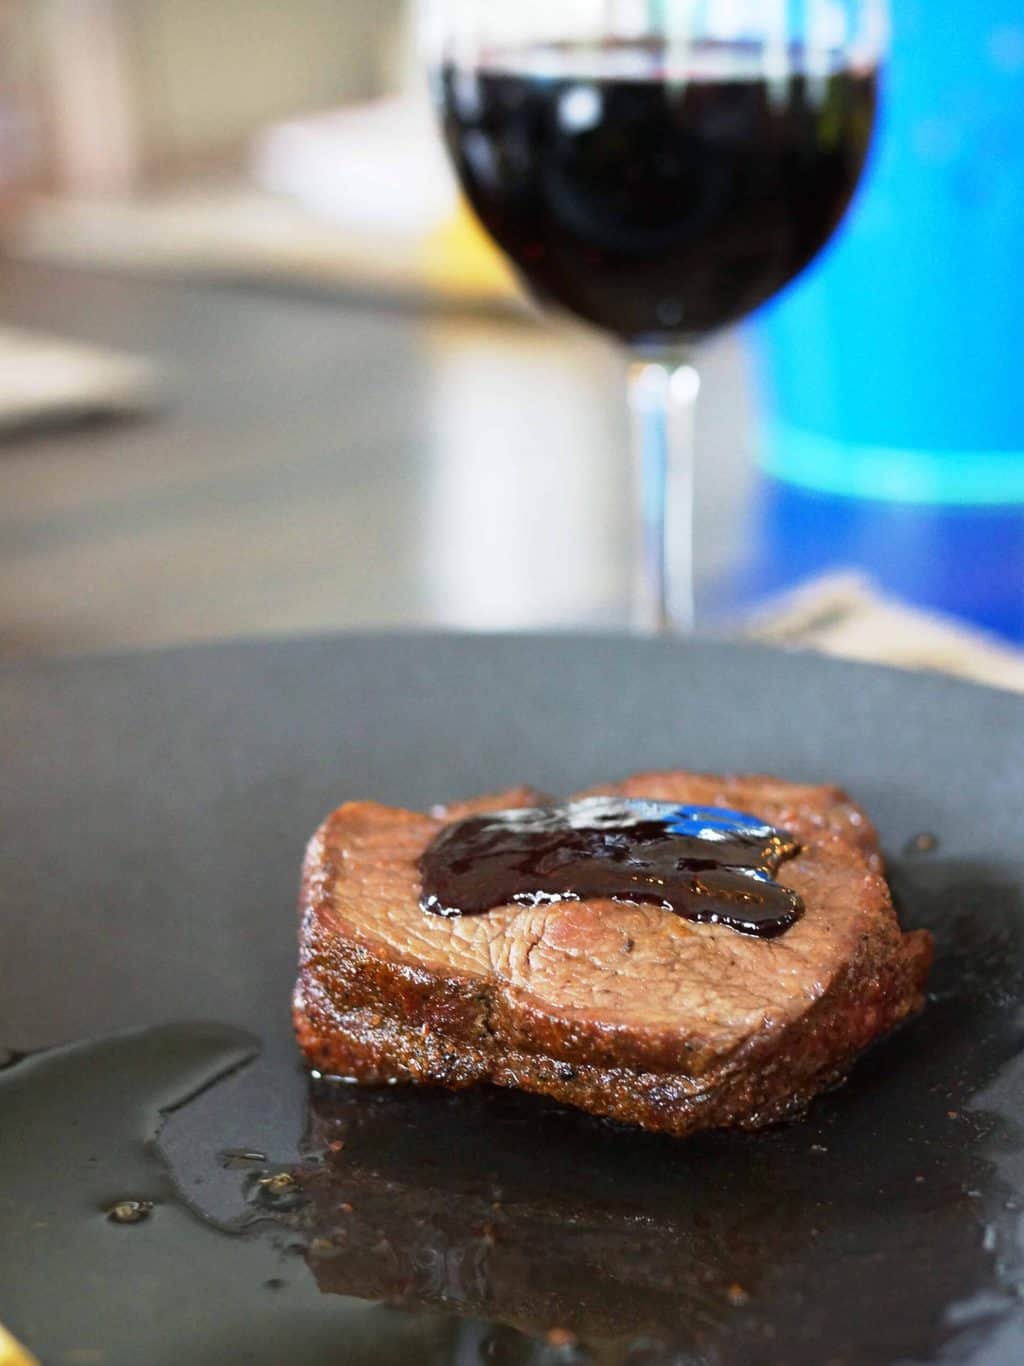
(625, 1011)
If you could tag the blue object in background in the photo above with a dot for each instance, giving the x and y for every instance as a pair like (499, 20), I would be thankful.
(894, 369)
(961, 561)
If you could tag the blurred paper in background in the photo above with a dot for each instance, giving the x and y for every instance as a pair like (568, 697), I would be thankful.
(46, 379)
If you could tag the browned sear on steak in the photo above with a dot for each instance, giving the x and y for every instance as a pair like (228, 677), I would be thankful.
(620, 1009)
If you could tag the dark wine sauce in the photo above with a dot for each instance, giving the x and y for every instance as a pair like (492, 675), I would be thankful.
(705, 864)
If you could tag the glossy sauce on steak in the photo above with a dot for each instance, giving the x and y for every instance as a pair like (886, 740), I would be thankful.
(705, 863)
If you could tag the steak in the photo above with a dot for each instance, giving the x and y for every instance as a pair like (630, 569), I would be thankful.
(619, 1009)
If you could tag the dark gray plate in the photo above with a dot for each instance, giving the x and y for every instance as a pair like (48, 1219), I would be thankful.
(153, 811)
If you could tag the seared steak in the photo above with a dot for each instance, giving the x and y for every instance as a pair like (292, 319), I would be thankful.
(623, 1010)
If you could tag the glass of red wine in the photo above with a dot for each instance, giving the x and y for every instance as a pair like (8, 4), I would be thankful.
(659, 169)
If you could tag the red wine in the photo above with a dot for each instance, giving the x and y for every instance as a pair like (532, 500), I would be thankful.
(655, 202)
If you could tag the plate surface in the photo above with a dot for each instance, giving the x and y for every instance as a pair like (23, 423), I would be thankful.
(153, 811)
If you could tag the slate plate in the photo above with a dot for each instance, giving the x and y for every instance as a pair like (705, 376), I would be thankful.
(153, 810)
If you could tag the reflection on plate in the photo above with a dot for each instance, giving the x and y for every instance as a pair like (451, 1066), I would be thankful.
(620, 1246)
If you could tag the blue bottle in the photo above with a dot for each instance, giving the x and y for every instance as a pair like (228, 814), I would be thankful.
(894, 369)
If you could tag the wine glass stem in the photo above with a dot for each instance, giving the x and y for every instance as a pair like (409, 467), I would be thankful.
(663, 390)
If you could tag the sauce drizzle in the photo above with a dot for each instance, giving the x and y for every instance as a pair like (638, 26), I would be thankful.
(704, 863)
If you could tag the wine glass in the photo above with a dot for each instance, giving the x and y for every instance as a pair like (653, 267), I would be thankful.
(659, 168)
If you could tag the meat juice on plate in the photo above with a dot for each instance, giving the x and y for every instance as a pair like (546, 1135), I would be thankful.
(658, 195)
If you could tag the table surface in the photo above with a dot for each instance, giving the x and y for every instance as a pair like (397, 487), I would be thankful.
(324, 463)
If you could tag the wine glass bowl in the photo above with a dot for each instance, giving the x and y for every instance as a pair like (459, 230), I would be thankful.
(658, 169)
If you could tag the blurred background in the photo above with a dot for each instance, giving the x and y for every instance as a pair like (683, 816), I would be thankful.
(261, 374)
